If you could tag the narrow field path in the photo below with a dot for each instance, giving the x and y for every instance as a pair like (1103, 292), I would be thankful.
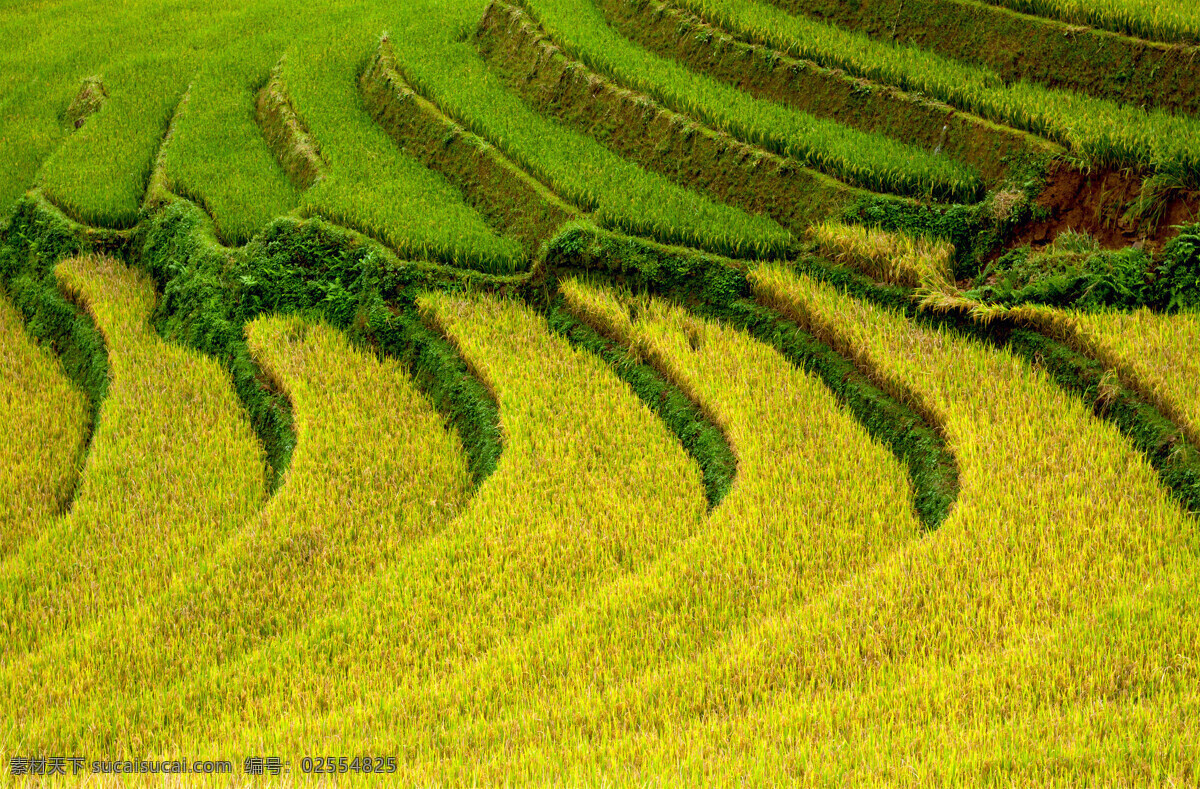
(44, 424)
(374, 472)
(173, 468)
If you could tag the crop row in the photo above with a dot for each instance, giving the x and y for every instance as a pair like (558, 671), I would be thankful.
(173, 467)
(1160, 20)
(375, 471)
(1099, 131)
(537, 533)
(863, 159)
(1083, 60)
(43, 433)
(1058, 526)
(917, 120)
(217, 156)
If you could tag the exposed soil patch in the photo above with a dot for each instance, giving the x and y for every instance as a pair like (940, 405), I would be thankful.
(1099, 203)
(512, 200)
(1016, 46)
(638, 128)
(767, 73)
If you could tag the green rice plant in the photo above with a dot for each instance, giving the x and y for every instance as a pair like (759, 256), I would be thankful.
(816, 500)
(217, 156)
(621, 194)
(1161, 20)
(100, 172)
(867, 160)
(590, 486)
(43, 434)
(173, 467)
(374, 188)
(1101, 133)
(375, 472)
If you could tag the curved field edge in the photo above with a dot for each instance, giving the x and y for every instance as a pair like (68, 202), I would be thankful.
(721, 290)
(684, 416)
(209, 292)
(372, 452)
(43, 432)
(1053, 342)
(174, 467)
(32, 242)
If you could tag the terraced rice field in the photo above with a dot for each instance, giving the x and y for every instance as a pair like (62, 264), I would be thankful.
(603, 392)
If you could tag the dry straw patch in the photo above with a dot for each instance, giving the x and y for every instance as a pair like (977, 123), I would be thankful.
(892, 257)
(43, 431)
(174, 467)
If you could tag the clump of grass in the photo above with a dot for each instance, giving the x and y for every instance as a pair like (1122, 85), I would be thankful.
(1072, 271)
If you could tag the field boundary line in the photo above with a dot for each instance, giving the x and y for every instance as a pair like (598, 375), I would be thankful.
(513, 200)
(865, 103)
(637, 127)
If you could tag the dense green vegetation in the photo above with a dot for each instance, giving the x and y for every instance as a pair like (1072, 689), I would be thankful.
(551, 392)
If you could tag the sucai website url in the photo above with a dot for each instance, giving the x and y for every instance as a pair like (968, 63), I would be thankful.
(76, 766)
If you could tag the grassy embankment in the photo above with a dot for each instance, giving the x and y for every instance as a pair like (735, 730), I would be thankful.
(862, 159)
(1103, 133)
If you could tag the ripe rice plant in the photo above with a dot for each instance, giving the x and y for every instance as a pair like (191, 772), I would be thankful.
(1158, 349)
(815, 498)
(892, 257)
(1160, 20)
(43, 433)
(870, 161)
(590, 487)
(1101, 132)
(1058, 519)
(375, 472)
(173, 467)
